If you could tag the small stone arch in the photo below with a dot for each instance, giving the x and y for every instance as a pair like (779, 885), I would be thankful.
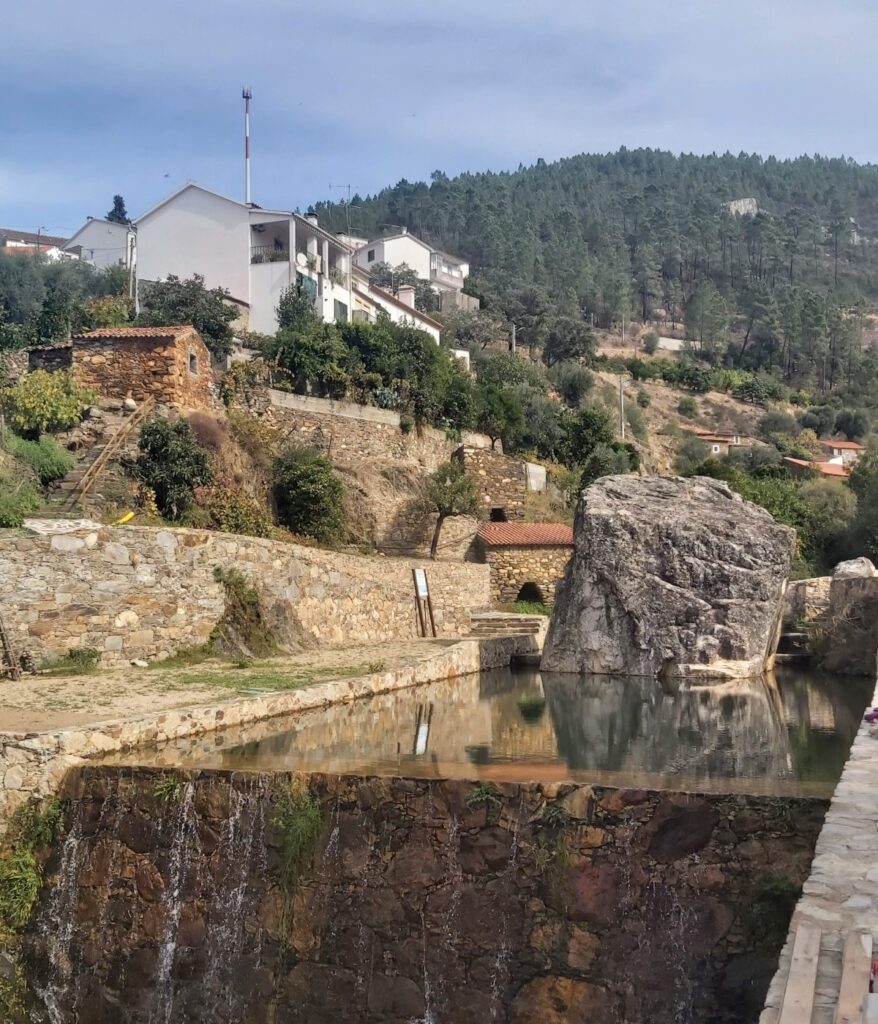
(531, 592)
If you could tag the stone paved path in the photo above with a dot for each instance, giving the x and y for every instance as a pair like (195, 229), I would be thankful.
(841, 893)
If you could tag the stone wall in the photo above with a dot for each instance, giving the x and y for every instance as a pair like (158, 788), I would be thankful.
(501, 480)
(848, 632)
(512, 567)
(139, 592)
(50, 358)
(146, 368)
(346, 431)
(422, 900)
(806, 600)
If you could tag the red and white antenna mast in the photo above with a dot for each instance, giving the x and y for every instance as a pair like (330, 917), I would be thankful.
(247, 95)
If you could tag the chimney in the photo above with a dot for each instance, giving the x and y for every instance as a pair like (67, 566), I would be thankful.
(406, 294)
(404, 231)
(312, 219)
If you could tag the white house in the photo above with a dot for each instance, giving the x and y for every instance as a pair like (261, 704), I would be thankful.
(445, 273)
(103, 243)
(370, 301)
(31, 243)
(254, 254)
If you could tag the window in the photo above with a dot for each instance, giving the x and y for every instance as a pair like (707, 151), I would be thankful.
(715, 449)
(498, 515)
(193, 363)
(340, 311)
(370, 256)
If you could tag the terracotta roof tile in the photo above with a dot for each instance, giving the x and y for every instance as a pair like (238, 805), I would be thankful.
(498, 535)
(137, 332)
(848, 446)
(824, 468)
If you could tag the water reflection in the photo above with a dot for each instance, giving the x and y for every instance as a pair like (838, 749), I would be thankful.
(790, 733)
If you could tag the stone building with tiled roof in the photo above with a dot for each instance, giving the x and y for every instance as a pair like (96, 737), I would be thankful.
(169, 364)
(527, 560)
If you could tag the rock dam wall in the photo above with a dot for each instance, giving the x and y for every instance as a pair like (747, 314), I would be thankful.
(167, 899)
(139, 592)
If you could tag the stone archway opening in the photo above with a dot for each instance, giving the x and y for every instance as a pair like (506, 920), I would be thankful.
(531, 592)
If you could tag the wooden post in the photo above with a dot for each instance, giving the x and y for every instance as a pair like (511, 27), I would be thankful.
(9, 655)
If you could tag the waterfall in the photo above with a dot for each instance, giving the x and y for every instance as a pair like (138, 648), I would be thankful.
(184, 836)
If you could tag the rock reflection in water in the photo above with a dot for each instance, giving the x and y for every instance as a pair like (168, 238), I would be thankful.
(787, 734)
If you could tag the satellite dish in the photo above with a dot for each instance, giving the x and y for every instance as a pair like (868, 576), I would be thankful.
(301, 259)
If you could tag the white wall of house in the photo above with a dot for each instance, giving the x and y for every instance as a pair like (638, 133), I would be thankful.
(197, 232)
(400, 249)
(371, 300)
(102, 243)
(267, 283)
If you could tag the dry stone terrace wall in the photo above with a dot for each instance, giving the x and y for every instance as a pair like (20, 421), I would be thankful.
(350, 432)
(137, 592)
(424, 900)
(512, 567)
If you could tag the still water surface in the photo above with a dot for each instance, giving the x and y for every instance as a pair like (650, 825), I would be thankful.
(787, 734)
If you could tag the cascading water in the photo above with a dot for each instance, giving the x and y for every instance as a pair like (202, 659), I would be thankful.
(184, 835)
(169, 901)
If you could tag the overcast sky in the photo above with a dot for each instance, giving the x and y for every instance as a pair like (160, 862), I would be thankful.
(138, 98)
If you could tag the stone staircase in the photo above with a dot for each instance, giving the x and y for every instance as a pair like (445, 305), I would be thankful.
(107, 435)
(484, 624)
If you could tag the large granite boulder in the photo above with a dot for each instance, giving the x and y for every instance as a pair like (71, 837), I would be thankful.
(670, 577)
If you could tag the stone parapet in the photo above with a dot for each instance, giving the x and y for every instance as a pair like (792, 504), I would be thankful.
(34, 764)
(141, 592)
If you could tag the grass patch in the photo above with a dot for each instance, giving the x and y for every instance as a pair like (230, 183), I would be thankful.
(45, 457)
(168, 789)
(531, 608)
(185, 658)
(254, 677)
(78, 661)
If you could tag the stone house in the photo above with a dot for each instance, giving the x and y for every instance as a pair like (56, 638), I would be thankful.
(527, 560)
(170, 364)
(501, 480)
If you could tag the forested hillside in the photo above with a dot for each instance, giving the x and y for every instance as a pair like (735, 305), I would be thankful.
(647, 234)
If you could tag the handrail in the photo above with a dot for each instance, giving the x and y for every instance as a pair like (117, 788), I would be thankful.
(91, 475)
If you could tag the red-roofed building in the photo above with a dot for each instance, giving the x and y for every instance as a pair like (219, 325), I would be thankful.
(170, 364)
(845, 452)
(804, 467)
(526, 559)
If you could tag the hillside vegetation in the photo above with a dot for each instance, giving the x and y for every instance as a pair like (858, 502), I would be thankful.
(645, 233)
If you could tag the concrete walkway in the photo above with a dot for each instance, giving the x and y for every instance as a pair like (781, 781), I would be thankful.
(841, 893)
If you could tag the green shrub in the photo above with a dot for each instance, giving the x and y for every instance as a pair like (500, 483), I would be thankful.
(650, 343)
(44, 402)
(691, 453)
(173, 464)
(17, 500)
(297, 822)
(688, 407)
(77, 661)
(242, 630)
(643, 399)
(31, 829)
(45, 457)
(406, 422)
(308, 495)
(637, 421)
(234, 510)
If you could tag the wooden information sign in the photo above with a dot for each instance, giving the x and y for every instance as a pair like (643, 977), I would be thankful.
(423, 602)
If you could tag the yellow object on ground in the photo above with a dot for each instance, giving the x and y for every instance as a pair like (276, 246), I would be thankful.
(125, 519)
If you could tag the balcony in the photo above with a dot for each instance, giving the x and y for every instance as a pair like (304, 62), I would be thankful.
(269, 254)
(445, 280)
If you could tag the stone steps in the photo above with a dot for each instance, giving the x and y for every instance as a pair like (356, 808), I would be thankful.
(486, 624)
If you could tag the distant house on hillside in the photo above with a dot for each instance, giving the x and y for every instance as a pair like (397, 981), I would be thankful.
(169, 364)
(844, 452)
(103, 243)
(370, 302)
(446, 274)
(721, 442)
(804, 467)
(742, 207)
(31, 243)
